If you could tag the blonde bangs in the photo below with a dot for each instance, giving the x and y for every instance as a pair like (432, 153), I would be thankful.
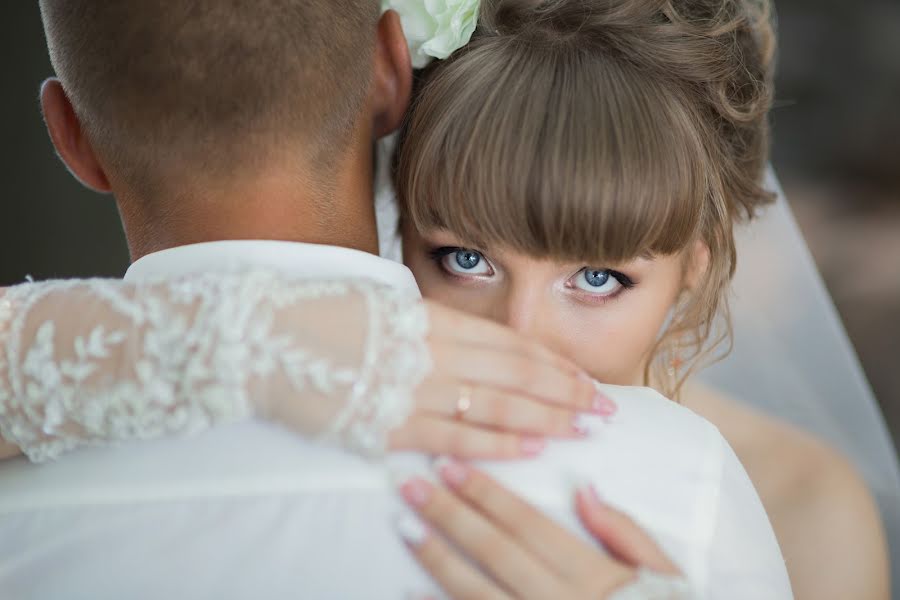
(554, 152)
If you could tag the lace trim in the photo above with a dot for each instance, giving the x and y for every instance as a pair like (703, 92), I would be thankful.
(396, 361)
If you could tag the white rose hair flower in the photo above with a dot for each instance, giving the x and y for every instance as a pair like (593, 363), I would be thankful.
(435, 28)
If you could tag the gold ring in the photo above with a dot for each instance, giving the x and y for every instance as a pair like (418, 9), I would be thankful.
(464, 402)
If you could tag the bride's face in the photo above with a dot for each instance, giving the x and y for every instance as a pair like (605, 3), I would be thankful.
(604, 317)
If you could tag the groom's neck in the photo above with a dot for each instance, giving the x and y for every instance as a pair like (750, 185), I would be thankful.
(286, 203)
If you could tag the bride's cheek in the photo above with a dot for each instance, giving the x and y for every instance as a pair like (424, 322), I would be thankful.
(442, 289)
(427, 275)
(612, 345)
(589, 336)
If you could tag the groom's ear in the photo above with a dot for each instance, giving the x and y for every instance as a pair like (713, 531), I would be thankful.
(392, 81)
(69, 138)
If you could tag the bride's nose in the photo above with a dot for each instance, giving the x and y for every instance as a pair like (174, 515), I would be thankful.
(522, 308)
(530, 310)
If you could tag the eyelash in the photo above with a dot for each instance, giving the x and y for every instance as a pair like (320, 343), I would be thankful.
(624, 280)
(438, 254)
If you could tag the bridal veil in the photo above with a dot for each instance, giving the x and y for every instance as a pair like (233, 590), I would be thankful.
(792, 358)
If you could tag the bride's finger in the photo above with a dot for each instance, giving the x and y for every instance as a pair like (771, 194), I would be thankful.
(519, 374)
(453, 573)
(491, 549)
(562, 552)
(497, 409)
(451, 325)
(620, 535)
(438, 435)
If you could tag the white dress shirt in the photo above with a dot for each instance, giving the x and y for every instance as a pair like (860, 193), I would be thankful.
(251, 510)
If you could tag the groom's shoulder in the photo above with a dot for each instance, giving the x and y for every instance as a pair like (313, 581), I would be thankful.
(658, 438)
(244, 460)
(642, 411)
(651, 444)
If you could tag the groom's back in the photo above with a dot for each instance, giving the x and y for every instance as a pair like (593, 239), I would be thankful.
(252, 511)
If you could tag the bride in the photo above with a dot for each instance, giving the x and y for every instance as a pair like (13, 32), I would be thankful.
(575, 171)
(609, 236)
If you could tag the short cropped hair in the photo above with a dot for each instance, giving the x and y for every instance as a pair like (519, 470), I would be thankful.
(169, 87)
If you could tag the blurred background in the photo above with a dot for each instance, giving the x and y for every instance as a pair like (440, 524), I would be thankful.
(836, 149)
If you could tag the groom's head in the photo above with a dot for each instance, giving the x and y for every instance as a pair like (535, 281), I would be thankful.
(159, 96)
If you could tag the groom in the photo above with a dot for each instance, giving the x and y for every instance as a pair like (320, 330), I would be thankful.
(213, 120)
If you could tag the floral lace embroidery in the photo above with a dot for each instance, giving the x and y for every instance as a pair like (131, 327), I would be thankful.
(380, 399)
(141, 361)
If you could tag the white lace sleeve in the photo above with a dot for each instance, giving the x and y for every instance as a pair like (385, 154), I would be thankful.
(91, 362)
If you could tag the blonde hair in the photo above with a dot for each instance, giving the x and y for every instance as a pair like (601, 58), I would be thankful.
(600, 131)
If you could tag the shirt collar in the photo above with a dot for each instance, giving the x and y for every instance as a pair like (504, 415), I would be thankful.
(304, 261)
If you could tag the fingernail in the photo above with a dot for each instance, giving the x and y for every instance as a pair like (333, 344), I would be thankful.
(533, 446)
(400, 475)
(412, 530)
(416, 491)
(452, 472)
(580, 426)
(603, 405)
(590, 496)
(585, 377)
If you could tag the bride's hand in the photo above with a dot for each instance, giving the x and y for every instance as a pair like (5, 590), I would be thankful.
(492, 393)
(337, 360)
(513, 550)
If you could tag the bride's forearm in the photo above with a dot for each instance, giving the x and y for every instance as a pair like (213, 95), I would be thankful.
(95, 362)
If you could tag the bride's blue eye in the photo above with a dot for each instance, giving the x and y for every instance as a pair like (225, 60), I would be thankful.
(600, 282)
(596, 278)
(462, 261)
(466, 259)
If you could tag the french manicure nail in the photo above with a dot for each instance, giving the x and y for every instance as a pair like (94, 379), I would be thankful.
(416, 491)
(589, 494)
(603, 405)
(411, 529)
(400, 475)
(533, 446)
(452, 472)
(580, 427)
